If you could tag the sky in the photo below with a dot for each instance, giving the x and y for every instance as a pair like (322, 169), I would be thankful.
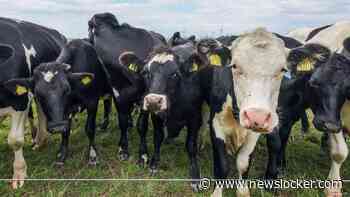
(202, 18)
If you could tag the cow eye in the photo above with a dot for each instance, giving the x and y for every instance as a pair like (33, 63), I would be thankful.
(284, 70)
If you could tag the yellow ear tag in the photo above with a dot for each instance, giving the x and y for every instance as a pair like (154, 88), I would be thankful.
(86, 80)
(20, 90)
(306, 65)
(132, 67)
(194, 67)
(215, 60)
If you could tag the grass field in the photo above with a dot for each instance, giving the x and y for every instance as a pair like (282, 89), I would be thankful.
(305, 161)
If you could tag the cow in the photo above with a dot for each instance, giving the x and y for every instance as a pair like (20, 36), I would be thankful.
(23, 45)
(227, 40)
(213, 52)
(243, 100)
(75, 81)
(174, 100)
(176, 39)
(111, 40)
(320, 66)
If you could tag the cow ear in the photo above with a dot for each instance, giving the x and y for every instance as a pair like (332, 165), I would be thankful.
(307, 58)
(65, 66)
(19, 87)
(130, 61)
(81, 79)
(192, 38)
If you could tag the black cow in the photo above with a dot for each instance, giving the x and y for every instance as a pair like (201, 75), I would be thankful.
(227, 40)
(74, 82)
(23, 46)
(323, 73)
(213, 52)
(174, 98)
(176, 40)
(111, 41)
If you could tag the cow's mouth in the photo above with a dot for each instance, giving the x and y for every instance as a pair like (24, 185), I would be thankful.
(155, 103)
(57, 126)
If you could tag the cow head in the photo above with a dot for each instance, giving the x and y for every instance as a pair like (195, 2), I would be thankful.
(258, 64)
(176, 39)
(52, 85)
(100, 21)
(214, 52)
(331, 85)
(163, 72)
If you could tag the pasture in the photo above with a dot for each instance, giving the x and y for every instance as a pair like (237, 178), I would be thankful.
(305, 161)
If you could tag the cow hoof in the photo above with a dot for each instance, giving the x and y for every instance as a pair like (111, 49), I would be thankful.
(143, 161)
(153, 171)
(92, 162)
(123, 155)
(333, 192)
(18, 179)
(196, 187)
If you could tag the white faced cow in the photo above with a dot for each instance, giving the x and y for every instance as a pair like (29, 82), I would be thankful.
(243, 100)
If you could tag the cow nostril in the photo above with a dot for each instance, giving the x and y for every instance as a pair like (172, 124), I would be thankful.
(160, 100)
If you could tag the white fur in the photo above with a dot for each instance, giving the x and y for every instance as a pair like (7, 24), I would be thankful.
(259, 57)
(161, 59)
(338, 152)
(28, 53)
(221, 130)
(116, 93)
(300, 34)
(333, 36)
(48, 76)
(92, 152)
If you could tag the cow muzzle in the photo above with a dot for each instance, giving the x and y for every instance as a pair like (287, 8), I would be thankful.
(155, 103)
(57, 126)
(257, 119)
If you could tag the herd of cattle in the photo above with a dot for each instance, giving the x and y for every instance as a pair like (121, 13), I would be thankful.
(255, 83)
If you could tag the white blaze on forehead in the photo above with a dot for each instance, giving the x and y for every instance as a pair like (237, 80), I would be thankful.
(28, 53)
(49, 75)
(161, 58)
(334, 36)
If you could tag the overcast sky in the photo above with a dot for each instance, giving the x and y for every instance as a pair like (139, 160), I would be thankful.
(199, 17)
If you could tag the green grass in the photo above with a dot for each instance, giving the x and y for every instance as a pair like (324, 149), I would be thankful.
(304, 161)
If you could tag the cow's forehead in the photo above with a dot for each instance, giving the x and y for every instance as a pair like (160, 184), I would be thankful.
(160, 59)
(262, 53)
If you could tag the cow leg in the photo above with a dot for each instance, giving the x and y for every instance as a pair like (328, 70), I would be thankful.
(123, 115)
(243, 159)
(90, 129)
(274, 146)
(304, 123)
(16, 142)
(158, 138)
(221, 167)
(33, 129)
(193, 127)
(284, 133)
(107, 105)
(338, 153)
(142, 128)
(42, 134)
(63, 151)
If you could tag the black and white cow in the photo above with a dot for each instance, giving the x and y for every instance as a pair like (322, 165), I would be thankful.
(74, 82)
(174, 99)
(111, 41)
(243, 100)
(320, 61)
(23, 46)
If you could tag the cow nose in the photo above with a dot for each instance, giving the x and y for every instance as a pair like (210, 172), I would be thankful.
(257, 119)
(153, 102)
